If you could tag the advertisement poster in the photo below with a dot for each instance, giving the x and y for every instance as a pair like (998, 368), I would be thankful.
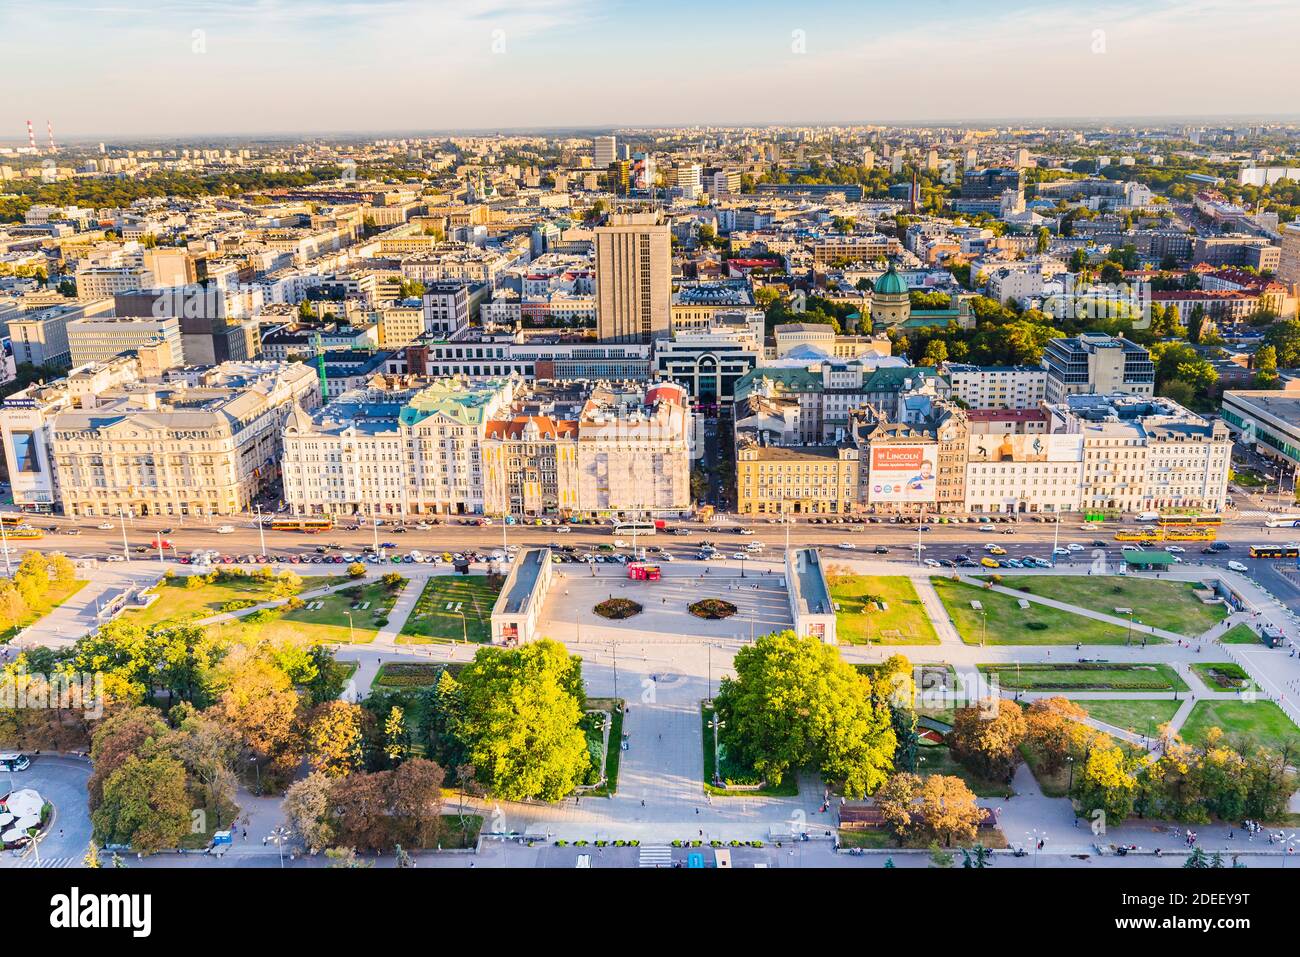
(903, 473)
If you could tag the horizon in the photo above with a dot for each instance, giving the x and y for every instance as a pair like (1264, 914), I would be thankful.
(197, 66)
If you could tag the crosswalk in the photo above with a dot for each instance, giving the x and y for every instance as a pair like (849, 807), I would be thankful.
(30, 861)
(656, 855)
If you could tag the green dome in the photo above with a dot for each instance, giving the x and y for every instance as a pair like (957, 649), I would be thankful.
(890, 284)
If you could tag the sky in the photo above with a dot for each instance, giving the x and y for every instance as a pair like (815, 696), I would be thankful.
(118, 68)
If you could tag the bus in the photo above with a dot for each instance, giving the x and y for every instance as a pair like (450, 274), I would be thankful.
(301, 524)
(1211, 521)
(23, 533)
(1274, 551)
(12, 519)
(637, 528)
(1283, 521)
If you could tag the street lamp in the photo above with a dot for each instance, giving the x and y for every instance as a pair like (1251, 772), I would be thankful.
(1069, 760)
(279, 837)
(351, 634)
(715, 723)
(261, 532)
(258, 770)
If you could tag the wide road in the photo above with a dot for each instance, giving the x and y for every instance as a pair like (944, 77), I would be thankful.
(82, 537)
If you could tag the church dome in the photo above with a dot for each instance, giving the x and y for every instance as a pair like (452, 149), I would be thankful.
(890, 284)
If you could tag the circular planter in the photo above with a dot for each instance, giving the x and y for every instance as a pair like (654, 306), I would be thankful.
(617, 608)
(712, 609)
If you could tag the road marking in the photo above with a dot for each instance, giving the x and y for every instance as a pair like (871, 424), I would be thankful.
(656, 855)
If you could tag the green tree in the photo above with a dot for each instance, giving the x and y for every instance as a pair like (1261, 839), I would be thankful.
(145, 805)
(795, 703)
(519, 720)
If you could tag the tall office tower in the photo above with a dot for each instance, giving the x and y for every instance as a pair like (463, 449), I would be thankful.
(690, 180)
(606, 151)
(633, 278)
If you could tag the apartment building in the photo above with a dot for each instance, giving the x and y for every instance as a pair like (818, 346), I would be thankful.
(405, 452)
(796, 480)
(633, 278)
(206, 443)
(1143, 453)
(40, 337)
(1094, 363)
(854, 249)
(1288, 266)
(100, 338)
(997, 387)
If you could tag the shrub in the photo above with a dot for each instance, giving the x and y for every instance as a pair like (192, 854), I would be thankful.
(392, 581)
(712, 609)
(617, 608)
(356, 570)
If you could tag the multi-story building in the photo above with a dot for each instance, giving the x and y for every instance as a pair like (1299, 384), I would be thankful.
(633, 278)
(100, 338)
(40, 337)
(1237, 250)
(1288, 266)
(605, 150)
(1094, 363)
(1140, 454)
(204, 444)
(914, 462)
(694, 304)
(997, 387)
(854, 249)
(550, 356)
(635, 444)
(447, 306)
(709, 362)
(407, 452)
(795, 480)
(26, 421)
(1268, 422)
(990, 183)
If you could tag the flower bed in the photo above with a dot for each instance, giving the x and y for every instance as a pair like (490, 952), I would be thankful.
(713, 609)
(617, 608)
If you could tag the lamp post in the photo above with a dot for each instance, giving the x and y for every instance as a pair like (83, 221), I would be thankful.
(715, 723)
(258, 771)
(1069, 760)
(279, 837)
(352, 640)
(121, 521)
(5, 540)
(261, 532)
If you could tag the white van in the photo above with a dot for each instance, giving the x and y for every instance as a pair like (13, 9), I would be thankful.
(1149, 517)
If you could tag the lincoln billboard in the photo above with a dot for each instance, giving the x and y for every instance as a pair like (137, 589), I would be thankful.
(903, 473)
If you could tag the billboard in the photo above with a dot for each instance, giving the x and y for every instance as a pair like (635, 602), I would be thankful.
(903, 473)
(1015, 447)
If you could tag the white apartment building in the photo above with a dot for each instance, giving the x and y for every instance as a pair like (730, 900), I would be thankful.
(997, 387)
(414, 452)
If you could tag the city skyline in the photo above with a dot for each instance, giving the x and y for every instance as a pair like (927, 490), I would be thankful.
(529, 64)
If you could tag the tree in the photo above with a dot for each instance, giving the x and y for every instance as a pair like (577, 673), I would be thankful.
(334, 738)
(286, 584)
(393, 580)
(1284, 337)
(415, 802)
(1265, 364)
(356, 570)
(397, 739)
(264, 711)
(1052, 730)
(1107, 783)
(307, 808)
(119, 737)
(145, 805)
(989, 745)
(519, 719)
(795, 703)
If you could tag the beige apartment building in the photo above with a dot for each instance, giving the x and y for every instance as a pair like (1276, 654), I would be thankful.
(204, 445)
(633, 278)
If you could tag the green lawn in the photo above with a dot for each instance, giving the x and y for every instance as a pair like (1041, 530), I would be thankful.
(177, 603)
(1087, 677)
(1240, 634)
(1132, 715)
(1008, 624)
(330, 622)
(902, 622)
(1222, 675)
(1167, 605)
(55, 597)
(614, 748)
(788, 787)
(1262, 721)
(437, 615)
